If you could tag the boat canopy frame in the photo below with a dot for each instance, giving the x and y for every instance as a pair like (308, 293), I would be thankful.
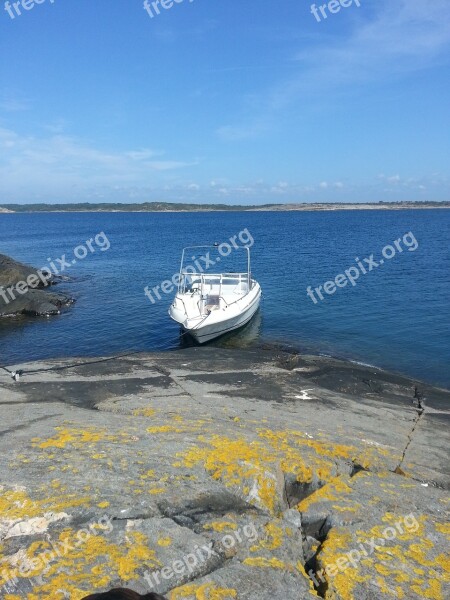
(221, 276)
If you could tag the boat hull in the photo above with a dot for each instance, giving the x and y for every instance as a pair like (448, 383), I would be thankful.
(210, 332)
(210, 329)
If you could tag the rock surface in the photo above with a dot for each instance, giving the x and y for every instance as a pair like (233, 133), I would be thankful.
(212, 474)
(21, 290)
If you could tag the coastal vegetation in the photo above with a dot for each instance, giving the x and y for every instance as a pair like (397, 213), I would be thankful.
(189, 207)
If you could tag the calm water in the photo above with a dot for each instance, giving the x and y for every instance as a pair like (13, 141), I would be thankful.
(396, 316)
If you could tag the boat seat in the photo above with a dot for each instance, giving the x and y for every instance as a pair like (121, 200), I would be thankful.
(212, 302)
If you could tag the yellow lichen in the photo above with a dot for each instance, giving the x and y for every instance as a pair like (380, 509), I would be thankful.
(67, 573)
(144, 412)
(389, 561)
(164, 541)
(443, 528)
(17, 505)
(261, 561)
(336, 489)
(78, 438)
(206, 591)
(234, 461)
(150, 474)
(273, 540)
(220, 526)
(164, 429)
(237, 462)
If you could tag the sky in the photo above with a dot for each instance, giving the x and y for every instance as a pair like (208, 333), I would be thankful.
(220, 101)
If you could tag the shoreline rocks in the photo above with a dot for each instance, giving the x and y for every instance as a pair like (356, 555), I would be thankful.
(24, 290)
(211, 473)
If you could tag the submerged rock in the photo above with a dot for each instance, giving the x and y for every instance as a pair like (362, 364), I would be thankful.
(23, 290)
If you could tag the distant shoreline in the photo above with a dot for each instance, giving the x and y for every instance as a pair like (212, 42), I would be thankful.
(167, 207)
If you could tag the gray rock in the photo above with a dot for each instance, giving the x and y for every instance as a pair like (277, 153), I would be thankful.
(13, 272)
(23, 290)
(254, 471)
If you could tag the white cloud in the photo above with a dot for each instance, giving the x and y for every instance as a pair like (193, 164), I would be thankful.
(394, 179)
(142, 154)
(59, 162)
(63, 168)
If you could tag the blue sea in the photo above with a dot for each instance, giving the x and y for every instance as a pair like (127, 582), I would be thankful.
(396, 316)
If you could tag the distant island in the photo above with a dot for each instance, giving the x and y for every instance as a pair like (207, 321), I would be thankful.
(181, 207)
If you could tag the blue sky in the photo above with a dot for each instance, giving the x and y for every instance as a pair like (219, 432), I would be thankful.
(224, 101)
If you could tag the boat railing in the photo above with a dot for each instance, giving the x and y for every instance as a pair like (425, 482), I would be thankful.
(188, 279)
(178, 298)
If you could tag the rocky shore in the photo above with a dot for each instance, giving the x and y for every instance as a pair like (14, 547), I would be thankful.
(213, 474)
(25, 290)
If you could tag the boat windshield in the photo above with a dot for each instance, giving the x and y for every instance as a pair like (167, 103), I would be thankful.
(215, 284)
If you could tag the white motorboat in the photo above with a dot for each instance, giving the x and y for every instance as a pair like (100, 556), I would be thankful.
(210, 305)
